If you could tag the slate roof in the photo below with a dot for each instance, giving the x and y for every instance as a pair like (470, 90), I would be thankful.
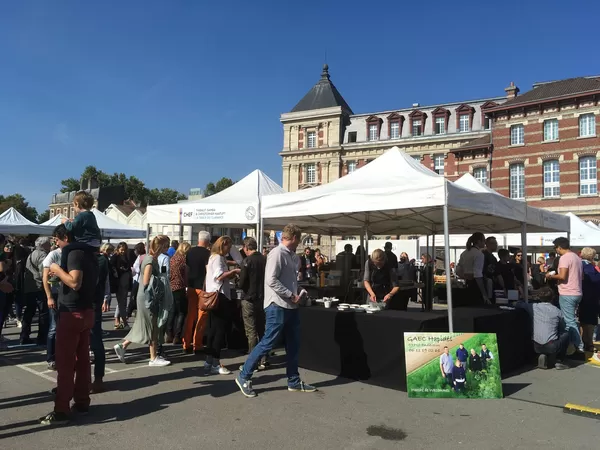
(128, 209)
(481, 142)
(554, 89)
(322, 95)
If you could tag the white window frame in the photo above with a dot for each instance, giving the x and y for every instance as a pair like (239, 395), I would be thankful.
(311, 139)
(311, 173)
(480, 174)
(440, 125)
(517, 134)
(587, 125)
(588, 175)
(417, 123)
(550, 130)
(551, 171)
(394, 130)
(308, 241)
(517, 181)
(487, 122)
(352, 166)
(373, 132)
(464, 123)
(438, 164)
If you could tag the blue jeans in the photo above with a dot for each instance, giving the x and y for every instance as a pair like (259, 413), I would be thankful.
(51, 340)
(96, 344)
(278, 320)
(568, 306)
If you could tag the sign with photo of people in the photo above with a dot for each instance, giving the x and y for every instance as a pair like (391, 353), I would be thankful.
(452, 365)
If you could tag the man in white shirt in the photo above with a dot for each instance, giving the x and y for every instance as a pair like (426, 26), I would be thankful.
(446, 365)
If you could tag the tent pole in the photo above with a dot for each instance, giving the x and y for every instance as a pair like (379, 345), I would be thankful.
(447, 267)
(524, 261)
(434, 261)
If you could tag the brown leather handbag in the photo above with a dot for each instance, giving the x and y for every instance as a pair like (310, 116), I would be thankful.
(208, 301)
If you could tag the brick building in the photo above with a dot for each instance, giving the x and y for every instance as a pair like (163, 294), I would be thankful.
(546, 146)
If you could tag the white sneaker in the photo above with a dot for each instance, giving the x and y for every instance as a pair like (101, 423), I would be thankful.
(120, 351)
(19, 324)
(220, 370)
(596, 357)
(91, 357)
(159, 361)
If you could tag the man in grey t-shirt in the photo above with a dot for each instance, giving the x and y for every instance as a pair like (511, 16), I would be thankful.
(281, 311)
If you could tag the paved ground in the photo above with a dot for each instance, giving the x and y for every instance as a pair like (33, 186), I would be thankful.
(177, 407)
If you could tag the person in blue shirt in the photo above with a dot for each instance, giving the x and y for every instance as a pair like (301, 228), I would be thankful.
(459, 377)
(173, 248)
(446, 365)
(462, 355)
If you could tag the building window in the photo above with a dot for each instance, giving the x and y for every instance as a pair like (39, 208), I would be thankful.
(588, 180)
(517, 181)
(394, 130)
(308, 241)
(464, 122)
(551, 179)
(438, 164)
(312, 139)
(480, 174)
(351, 166)
(417, 158)
(72, 215)
(517, 134)
(373, 132)
(487, 123)
(417, 129)
(352, 136)
(311, 173)
(587, 125)
(66, 212)
(52, 213)
(440, 125)
(551, 130)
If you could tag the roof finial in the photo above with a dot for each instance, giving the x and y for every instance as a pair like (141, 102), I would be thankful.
(325, 73)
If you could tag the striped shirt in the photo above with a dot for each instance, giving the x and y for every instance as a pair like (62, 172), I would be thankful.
(548, 321)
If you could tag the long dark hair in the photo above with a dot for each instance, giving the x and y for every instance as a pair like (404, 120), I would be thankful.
(475, 237)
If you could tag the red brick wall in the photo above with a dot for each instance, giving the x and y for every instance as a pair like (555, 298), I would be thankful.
(567, 147)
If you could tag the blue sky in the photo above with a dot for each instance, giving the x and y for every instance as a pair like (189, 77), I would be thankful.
(180, 93)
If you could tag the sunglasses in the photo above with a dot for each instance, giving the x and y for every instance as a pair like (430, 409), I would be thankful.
(519, 256)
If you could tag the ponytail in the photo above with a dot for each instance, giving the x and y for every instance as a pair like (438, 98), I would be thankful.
(475, 237)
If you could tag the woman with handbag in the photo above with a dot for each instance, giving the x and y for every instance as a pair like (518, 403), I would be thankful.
(217, 281)
(145, 327)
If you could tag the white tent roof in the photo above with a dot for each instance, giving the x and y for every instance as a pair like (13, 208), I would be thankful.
(110, 228)
(13, 222)
(592, 224)
(396, 194)
(236, 205)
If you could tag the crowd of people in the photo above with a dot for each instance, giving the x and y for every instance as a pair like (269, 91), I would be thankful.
(183, 295)
(568, 286)
(454, 370)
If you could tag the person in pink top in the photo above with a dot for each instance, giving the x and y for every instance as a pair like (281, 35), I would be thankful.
(569, 277)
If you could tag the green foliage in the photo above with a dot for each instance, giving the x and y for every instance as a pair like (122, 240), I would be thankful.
(485, 384)
(43, 217)
(212, 188)
(18, 202)
(135, 189)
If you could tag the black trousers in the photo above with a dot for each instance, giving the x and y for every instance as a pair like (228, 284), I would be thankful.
(35, 301)
(217, 326)
(132, 305)
(557, 347)
(176, 320)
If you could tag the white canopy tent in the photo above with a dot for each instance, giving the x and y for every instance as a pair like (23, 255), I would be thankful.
(239, 204)
(592, 224)
(395, 194)
(13, 222)
(109, 228)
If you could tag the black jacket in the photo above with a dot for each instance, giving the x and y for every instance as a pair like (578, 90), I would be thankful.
(252, 277)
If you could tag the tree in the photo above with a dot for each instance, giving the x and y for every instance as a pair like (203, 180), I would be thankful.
(43, 217)
(18, 202)
(135, 189)
(212, 188)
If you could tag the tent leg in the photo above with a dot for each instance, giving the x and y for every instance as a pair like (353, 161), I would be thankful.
(447, 267)
(434, 261)
(524, 261)
(147, 237)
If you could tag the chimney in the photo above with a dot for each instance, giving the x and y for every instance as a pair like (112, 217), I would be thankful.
(511, 91)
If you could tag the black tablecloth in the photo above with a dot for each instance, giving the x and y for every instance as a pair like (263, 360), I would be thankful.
(370, 347)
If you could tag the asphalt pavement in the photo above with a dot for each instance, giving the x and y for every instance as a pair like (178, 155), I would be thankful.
(177, 407)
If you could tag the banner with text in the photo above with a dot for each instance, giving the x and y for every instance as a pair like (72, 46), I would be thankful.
(452, 365)
(229, 213)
